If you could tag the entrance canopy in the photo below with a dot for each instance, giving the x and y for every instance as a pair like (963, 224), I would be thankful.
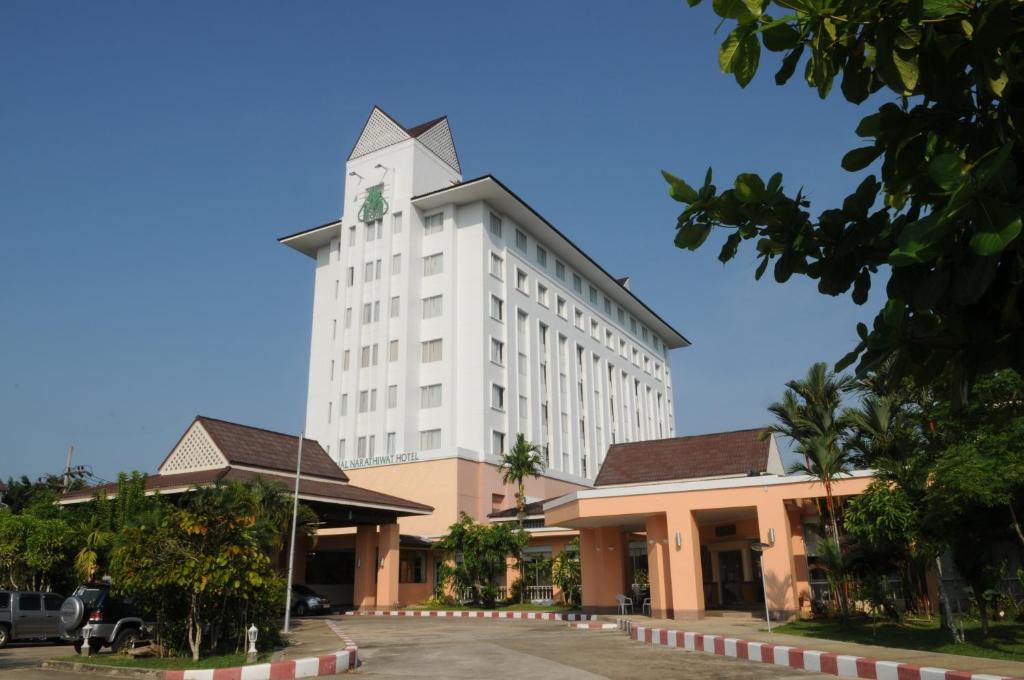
(212, 451)
(700, 503)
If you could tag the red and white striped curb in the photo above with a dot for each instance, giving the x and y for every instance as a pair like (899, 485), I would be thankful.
(327, 664)
(845, 666)
(593, 625)
(476, 614)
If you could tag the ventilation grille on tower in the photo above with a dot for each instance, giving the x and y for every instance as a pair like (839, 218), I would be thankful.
(380, 131)
(439, 140)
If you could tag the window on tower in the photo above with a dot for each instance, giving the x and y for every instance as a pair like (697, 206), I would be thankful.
(433, 264)
(433, 224)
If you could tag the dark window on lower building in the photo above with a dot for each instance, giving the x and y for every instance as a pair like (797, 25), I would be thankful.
(331, 566)
(412, 566)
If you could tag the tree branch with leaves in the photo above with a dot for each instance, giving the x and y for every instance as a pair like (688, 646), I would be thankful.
(942, 218)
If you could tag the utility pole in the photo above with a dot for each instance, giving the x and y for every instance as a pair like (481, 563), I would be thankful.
(291, 548)
(67, 468)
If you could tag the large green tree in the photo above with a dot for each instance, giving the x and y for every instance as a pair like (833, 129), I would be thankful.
(942, 214)
(477, 554)
(205, 569)
(35, 551)
(101, 523)
(950, 480)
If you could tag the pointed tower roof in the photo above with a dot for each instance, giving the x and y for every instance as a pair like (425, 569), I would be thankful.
(381, 130)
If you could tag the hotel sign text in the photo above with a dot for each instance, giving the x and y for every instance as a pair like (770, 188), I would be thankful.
(380, 460)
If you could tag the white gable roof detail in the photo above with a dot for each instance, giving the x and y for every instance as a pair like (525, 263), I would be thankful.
(439, 140)
(380, 131)
(196, 451)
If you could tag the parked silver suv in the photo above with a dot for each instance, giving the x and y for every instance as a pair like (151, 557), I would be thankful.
(29, 616)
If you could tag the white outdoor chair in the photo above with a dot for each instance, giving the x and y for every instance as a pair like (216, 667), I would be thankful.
(623, 603)
(646, 607)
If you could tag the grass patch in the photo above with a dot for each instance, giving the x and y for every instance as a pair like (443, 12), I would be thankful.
(168, 663)
(1005, 640)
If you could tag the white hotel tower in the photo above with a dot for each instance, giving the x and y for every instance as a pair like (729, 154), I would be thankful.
(448, 315)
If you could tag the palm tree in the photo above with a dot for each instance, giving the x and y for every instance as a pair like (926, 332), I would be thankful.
(873, 429)
(826, 461)
(809, 415)
(521, 461)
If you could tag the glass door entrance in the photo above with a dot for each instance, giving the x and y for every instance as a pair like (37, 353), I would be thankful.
(730, 575)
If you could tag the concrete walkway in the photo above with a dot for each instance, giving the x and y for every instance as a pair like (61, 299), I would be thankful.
(757, 631)
(471, 649)
(310, 636)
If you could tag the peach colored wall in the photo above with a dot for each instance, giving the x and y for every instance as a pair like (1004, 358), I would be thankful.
(431, 482)
(682, 581)
(449, 486)
(411, 593)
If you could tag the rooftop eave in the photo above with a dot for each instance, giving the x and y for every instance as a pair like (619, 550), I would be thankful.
(643, 489)
(488, 188)
(308, 242)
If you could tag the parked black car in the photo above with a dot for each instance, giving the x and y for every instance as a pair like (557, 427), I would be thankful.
(92, 612)
(305, 600)
(29, 616)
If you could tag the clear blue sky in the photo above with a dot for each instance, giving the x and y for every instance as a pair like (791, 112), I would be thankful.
(150, 154)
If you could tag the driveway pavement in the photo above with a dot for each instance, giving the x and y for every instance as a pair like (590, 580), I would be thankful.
(20, 661)
(459, 649)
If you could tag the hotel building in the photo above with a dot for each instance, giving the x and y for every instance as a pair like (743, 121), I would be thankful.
(448, 316)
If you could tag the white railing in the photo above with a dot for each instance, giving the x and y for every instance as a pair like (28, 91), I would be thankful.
(820, 591)
(534, 593)
(466, 594)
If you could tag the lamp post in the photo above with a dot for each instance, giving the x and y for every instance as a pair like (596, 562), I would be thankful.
(291, 548)
(252, 633)
(86, 632)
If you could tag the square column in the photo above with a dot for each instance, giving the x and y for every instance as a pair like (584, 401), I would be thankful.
(364, 588)
(801, 570)
(686, 578)
(659, 573)
(591, 569)
(387, 572)
(616, 552)
(603, 566)
(777, 561)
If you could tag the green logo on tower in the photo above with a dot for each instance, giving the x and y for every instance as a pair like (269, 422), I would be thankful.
(374, 207)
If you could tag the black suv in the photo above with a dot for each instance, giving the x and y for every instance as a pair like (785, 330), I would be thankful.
(107, 622)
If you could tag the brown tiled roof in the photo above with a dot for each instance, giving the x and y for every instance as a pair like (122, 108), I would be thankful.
(256, 447)
(327, 491)
(423, 127)
(153, 482)
(706, 455)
